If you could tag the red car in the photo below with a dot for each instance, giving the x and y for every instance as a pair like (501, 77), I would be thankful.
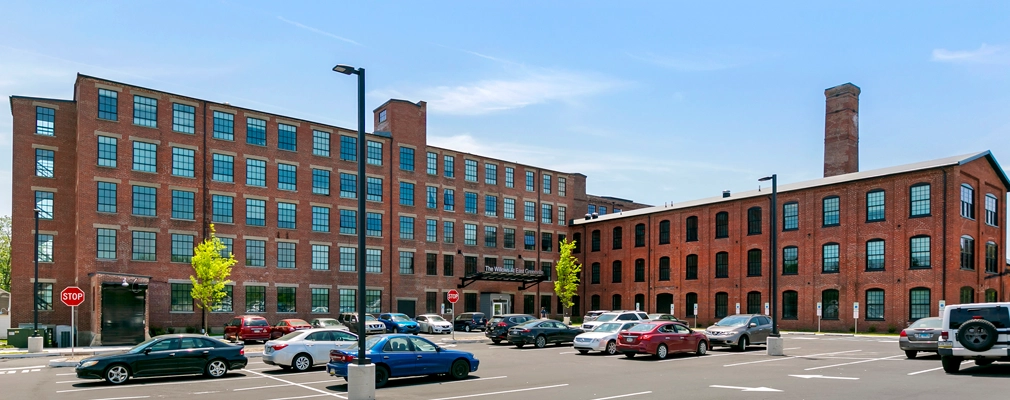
(244, 328)
(287, 326)
(661, 339)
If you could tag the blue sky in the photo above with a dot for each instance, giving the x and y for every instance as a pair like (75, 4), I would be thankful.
(653, 101)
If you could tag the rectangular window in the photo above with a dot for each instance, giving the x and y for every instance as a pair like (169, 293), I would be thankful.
(373, 224)
(991, 214)
(640, 235)
(347, 298)
(562, 187)
(790, 305)
(348, 148)
(919, 198)
(546, 241)
(107, 151)
(449, 166)
(529, 240)
(919, 249)
(373, 189)
(829, 255)
(664, 269)
(256, 131)
(829, 301)
(790, 216)
(447, 265)
(562, 217)
(374, 152)
(529, 211)
(406, 263)
(106, 244)
(595, 241)
(470, 202)
(222, 207)
(967, 201)
(431, 197)
(490, 236)
(255, 172)
(919, 303)
(224, 168)
(991, 258)
(373, 301)
(448, 231)
(431, 230)
(875, 255)
(321, 143)
(145, 157)
(721, 304)
(831, 211)
(432, 163)
(182, 162)
(321, 182)
(45, 121)
(145, 111)
(108, 104)
(182, 204)
(224, 126)
(44, 203)
(286, 215)
(664, 232)
(595, 275)
(182, 298)
(145, 201)
(754, 221)
(406, 194)
(547, 184)
(529, 181)
(348, 222)
(875, 206)
(255, 253)
(790, 261)
(545, 268)
(255, 299)
(183, 118)
(754, 262)
(348, 259)
(509, 240)
(546, 213)
(470, 234)
(875, 304)
(490, 174)
(320, 257)
(348, 186)
(182, 248)
(406, 228)
(285, 255)
(510, 177)
(509, 209)
(617, 272)
(470, 170)
(691, 231)
(45, 253)
(491, 205)
(722, 265)
(320, 219)
(286, 177)
(255, 212)
(449, 199)
(406, 159)
(286, 299)
(967, 253)
(373, 260)
(287, 137)
(320, 300)
(228, 244)
(144, 246)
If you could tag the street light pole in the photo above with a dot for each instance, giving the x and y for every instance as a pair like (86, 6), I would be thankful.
(775, 339)
(35, 283)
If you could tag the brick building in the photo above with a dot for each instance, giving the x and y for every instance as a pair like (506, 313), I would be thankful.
(897, 240)
(602, 205)
(128, 179)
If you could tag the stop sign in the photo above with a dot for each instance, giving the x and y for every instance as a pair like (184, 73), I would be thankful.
(72, 296)
(452, 296)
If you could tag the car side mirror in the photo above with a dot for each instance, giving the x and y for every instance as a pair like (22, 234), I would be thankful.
(147, 351)
(438, 348)
(753, 324)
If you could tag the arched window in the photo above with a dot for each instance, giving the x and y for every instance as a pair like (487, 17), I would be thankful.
(967, 295)
(618, 237)
(640, 270)
(990, 296)
(918, 303)
(967, 252)
(664, 232)
(829, 258)
(721, 225)
(919, 251)
(754, 262)
(640, 235)
(991, 258)
(991, 211)
(967, 201)
(831, 213)
(754, 221)
(616, 270)
(664, 268)
(596, 240)
(875, 255)
(722, 264)
(595, 275)
(875, 305)
(721, 304)
(790, 304)
(577, 238)
(875, 205)
(691, 231)
(829, 304)
(640, 301)
(615, 302)
(594, 302)
(754, 303)
(691, 267)
(690, 300)
(790, 260)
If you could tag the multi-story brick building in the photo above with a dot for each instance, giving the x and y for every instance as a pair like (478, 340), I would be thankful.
(128, 180)
(896, 240)
(602, 205)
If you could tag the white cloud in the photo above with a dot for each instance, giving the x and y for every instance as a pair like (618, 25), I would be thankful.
(529, 87)
(319, 31)
(985, 54)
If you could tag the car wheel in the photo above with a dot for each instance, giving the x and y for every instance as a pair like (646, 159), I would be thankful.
(301, 363)
(661, 351)
(117, 374)
(977, 335)
(911, 353)
(629, 355)
(460, 369)
(583, 351)
(396, 330)
(381, 376)
(541, 342)
(611, 347)
(496, 341)
(950, 364)
(984, 361)
(466, 328)
(742, 344)
(702, 348)
(215, 369)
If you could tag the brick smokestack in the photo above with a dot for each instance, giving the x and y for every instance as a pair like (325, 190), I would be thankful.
(841, 130)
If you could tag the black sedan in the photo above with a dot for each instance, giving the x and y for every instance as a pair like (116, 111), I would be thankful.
(165, 355)
(542, 331)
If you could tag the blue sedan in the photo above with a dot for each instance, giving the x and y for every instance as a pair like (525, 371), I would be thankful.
(399, 323)
(397, 355)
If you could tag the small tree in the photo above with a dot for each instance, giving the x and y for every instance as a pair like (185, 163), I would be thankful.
(567, 282)
(5, 253)
(212, 272)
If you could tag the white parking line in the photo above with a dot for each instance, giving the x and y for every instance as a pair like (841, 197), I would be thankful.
(273, 386)
(151, 384)
(623, 395)
(72, 373)
(568, 352)
(790, 357)
(125, 398)
(19, 368)
(473, 380)
(854, 362)
(502, 392)
(300, 397)
(932, 369)
(299, 385)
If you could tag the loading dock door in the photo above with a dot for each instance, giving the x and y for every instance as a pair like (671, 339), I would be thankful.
(123, 314)
(406, 307)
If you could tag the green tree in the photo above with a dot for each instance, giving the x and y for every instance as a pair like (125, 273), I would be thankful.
(212, 272)
(5, 253)
(567, 282)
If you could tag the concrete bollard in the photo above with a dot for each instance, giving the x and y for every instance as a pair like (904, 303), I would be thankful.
(775, 346)
(361, 382)
(35, 344)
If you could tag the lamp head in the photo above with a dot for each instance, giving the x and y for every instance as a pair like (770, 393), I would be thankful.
(124, 283)
(345, 69)
(767, 178)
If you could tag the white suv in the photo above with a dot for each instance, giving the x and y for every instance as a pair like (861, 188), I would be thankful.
(620, 316)
(979, 332)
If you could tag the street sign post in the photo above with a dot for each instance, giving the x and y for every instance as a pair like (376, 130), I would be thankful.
(855, 317)
(737, 308)
(942, 305)
(695, 315)
(72, 296)
(767, 309)
(818, 317)
(672, 309)
(453, 297)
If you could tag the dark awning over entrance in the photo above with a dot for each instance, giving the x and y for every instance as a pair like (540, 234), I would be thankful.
(528, 278)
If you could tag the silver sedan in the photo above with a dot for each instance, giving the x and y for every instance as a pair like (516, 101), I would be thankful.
(922, 335)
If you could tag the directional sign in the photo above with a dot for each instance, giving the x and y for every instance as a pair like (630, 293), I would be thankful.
(737, 308)
(72, 296)
(825, 377)
(818, 309)
(942, 305)
(767, 309)
(671, 309)
(855, 310)
(452, 296)
(746, 389)
(696, 309)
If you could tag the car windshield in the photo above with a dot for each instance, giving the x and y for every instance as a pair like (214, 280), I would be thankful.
(140, 347)
(369, 318)
(642, 328)
(290, 336)
(495, 320)
(297, 322)
(734, 321)
(435, 318)
(927, 323)
(328, 322)
(399, 317)
(606, 317)
(532, 322)
(608, 327)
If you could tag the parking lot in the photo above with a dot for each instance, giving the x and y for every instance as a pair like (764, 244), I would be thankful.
(821, 367)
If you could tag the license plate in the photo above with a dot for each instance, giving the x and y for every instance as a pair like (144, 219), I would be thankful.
(945, 345)
(924, 335)
(629, 340)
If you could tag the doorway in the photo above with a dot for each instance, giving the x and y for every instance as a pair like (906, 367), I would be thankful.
(123, 314)
(406, 307)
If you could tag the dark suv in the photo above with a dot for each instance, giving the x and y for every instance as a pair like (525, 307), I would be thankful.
(498, 327)
(469, 321)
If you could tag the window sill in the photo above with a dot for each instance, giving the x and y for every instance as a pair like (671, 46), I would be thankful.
(144, 261)
(920, 216)
(256, 266)
(967, 269)
(184, 133)
(106, 166)
(320, 155)
(790, 274)
(831, 225)
(213, 180)
(874, 319)
(256, 144)
(874, 270)
(828, 272)
(223, 139)
(155, 172)
(875, 220)
(180, 312)
(914, 268)
(46, 135)
(182, 176)
(106, 119)
(288, 150)
(155, 127)
(315, 193)
(753, 276)
(790, 229)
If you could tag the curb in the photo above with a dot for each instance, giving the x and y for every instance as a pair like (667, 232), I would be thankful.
(800, 333)
(62, 362)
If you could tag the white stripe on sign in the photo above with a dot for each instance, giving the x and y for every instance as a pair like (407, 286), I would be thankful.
(502, 392)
